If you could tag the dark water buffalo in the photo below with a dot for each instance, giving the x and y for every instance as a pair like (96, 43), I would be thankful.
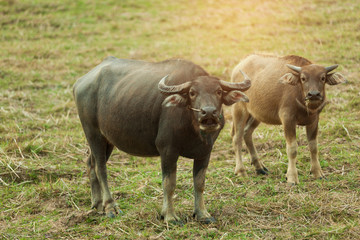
(286, 91)
(168, 109)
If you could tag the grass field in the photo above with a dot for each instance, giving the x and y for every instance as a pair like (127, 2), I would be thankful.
(44, 189)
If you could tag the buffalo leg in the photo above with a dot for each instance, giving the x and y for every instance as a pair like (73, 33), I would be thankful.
(240, 115)
(199, 171)
(100, 152)
(311, 132)
(101, 173)
(168, 167)
(251, 125)
(291, 150)
(96, 198)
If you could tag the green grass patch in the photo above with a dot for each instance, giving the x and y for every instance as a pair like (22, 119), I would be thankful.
(44, 187)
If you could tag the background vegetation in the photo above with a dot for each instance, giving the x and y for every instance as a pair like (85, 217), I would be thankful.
(46, 45)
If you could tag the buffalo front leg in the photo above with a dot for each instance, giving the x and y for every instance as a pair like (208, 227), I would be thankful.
(239, 120)
(311, 132)
(291, 150)
(199, 171)
(168, 167)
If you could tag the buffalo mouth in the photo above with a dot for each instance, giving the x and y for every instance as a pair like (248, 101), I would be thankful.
(314, 99)
(209, 124)
(313, 102)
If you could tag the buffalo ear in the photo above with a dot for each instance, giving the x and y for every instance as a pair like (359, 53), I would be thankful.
(174, 100)
(289, 78)
(335, 78)
(234, 96)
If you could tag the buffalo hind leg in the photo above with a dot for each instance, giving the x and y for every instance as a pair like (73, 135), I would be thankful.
(168, 167)
(100, 152)
(251, 125)
(240, 115)
(96, 196)
(311, 132)
(199, 171)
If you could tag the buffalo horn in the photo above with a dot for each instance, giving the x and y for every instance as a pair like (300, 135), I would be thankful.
(174, 88)
(295, 68)
(242, 86)
(329, 69)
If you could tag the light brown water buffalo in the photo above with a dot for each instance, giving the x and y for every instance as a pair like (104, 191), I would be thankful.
(285, 91)
(168, 109)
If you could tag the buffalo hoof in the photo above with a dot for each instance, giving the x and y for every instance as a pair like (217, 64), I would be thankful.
(318, 175)
(113, 211)
(292, 179)
(172, 220)
(262, 171)
(205, 220)
(290, 184)
(208, 220)
(98, 206)
(240, 172)
(110, 214)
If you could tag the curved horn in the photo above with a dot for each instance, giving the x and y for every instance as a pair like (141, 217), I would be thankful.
(173, 88)
(242, 86)
(295, 68)
(329, 69)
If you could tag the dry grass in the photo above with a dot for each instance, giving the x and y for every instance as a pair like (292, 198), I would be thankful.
(45, 47)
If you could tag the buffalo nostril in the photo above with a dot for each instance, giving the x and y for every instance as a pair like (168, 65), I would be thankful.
(208, 111)
(313, 94)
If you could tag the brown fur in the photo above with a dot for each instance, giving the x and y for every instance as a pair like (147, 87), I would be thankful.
(277, 96)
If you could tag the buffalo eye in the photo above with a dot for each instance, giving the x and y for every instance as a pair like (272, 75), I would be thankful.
(323, 78)
(219, 92)
(192, 93)
(303, 79)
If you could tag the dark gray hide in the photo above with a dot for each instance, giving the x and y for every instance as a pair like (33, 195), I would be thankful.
(121, 103)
